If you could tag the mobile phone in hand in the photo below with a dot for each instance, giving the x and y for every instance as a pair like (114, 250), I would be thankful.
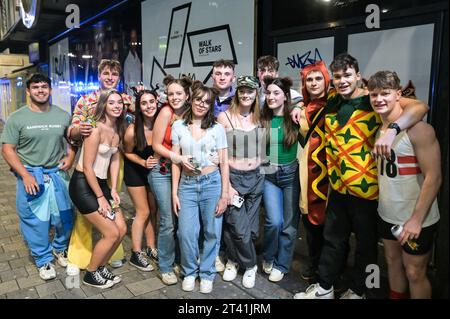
(237, 201)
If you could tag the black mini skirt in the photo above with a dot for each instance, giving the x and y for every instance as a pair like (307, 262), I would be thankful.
(82, 195)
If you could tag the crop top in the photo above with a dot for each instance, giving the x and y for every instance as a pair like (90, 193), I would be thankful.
(101, 163)
(244, 144)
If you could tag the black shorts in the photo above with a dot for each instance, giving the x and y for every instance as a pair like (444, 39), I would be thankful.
(82, 195)
(420, 246)
(134, 175)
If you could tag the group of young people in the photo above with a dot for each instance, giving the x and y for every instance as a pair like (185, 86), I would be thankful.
(198, 169)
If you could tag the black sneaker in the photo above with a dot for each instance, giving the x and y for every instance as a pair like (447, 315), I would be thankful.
(108, 275)
(152, 253)
(95, 279)
(139, 261)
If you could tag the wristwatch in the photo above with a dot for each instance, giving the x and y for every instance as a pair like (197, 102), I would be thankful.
(395, 126)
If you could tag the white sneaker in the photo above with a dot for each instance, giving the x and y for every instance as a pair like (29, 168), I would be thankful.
(276, 275)
(61, 257)
(315, 292)
(116, 263)
(350, 294)
(169, 278)
(47, 271)
(72, 270)
(206, 286)
(219, 264)
(230, 272)
(188, 283)
(176, 270)
(267, 267)
(248, 280)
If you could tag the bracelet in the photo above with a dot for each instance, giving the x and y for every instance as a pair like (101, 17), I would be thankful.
(100, 196)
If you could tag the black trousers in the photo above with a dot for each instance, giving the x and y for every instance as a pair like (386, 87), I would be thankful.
(314, 239)
(241, 225)
(346, 213)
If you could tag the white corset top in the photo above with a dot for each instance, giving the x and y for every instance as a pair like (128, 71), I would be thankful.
(102, 160)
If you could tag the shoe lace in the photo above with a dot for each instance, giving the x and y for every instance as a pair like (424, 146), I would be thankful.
(141, 259)
(152, 252)
(105, 273)
(311, 288)
(61, 254)
(168, 275)
(98, 277)
(230, 266)
(250, 272)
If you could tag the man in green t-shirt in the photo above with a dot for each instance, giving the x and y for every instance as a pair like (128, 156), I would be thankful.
(33, 145)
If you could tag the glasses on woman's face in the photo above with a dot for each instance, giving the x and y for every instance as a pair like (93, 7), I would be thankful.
(199, 101)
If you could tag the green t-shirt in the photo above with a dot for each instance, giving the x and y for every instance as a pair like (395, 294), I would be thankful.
(39, 137)
(277, 153)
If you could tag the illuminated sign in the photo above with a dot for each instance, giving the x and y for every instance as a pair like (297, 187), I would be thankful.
(29, 12)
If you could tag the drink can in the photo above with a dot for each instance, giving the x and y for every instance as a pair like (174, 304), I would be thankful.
(396, 230)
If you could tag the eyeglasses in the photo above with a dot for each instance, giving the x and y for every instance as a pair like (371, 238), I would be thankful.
(199, 101)
(164, 164)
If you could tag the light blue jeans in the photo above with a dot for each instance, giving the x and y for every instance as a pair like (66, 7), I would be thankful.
(35, 228)
(281, 196)
(161, 186)
(198, 198)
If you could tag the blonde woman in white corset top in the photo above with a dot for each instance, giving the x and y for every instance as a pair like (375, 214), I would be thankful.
(89, 190)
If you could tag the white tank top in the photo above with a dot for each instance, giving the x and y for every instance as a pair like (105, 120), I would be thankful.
(400, 180)
(101, 163)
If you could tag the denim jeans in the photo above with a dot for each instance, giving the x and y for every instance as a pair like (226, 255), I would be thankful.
(35, 228)
(161, 186)
(198, 198)
(281, 196)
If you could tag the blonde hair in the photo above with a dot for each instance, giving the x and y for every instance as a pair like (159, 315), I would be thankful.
(111, 64)
(255, 109)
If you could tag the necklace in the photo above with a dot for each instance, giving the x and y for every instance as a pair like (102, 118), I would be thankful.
(244, 115)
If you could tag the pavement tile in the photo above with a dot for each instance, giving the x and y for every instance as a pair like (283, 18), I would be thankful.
(145, 286)
(50, 288)
(31, 269)
(30, 281)
(4, 266)
(118, 293)
(152, 295)
(131, 277)
(98, 296)
(14, 246)
(8, 286)
(13, 274)
(28, 293)
(8, 256)
(174, 291)
(75, 293)
(20, 262)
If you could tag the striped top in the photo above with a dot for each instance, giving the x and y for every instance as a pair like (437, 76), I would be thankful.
(400, 180)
